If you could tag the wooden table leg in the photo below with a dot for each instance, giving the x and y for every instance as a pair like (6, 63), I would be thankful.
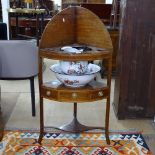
(107, 121)
(75, 126)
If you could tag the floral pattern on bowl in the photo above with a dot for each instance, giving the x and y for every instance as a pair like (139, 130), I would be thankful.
(75, 80)
(74, 67)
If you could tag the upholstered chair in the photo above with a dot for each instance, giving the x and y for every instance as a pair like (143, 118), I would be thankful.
(19, 61)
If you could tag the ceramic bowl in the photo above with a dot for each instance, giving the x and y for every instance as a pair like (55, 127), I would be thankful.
(75, 80)
(74, 67)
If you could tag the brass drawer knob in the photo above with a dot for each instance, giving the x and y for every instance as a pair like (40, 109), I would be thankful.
(74, 95)
(48, 93)
(100, 93)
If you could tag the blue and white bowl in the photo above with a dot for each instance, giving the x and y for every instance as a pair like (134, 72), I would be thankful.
(76, 80)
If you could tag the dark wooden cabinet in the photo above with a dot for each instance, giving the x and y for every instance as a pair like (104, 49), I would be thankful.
(103, 11)
(29, 16)
(134, 95)
(114, 34)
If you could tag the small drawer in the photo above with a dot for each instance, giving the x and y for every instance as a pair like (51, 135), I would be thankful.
(99, 94)
(49, 94)
(74, 96)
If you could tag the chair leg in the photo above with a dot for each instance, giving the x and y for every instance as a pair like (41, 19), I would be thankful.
(32, 96)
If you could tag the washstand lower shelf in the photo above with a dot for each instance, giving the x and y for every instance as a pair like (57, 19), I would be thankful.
(92, 92)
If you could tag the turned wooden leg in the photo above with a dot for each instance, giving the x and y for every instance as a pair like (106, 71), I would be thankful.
(41, 121)
(107, 121)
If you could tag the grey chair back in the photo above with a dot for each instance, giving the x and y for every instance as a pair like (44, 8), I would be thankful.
(18, 59)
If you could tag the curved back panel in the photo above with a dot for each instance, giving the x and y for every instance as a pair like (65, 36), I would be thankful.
(60, 30)
(90, 30)
(75, 25)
